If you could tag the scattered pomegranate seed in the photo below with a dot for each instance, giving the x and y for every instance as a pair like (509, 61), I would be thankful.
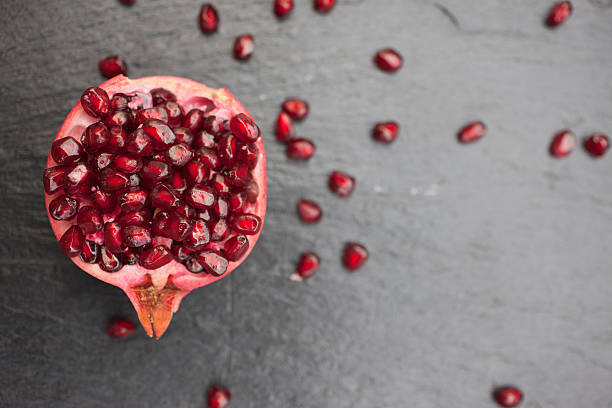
(127, 2)
(562, 143)
(284, 128)
(341, 183)
(323, 6)
(300, 149)
(307, 266)
(597, 144)
(218, 397)
(120, 329)
(355, 256)
(508, 396)
(243, 47)
(385, 132)
(282, 8)
(296, 108)
(388, 60)
(112, 66)
(309, 211)
(558, 13)
(472, 132)
(208, 19)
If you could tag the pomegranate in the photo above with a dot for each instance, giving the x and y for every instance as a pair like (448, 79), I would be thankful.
(388, 60)
(243, 47)
(508, 396)
(208, 18)
(307, 266)
(218, 397)
(355, 256)
(597, 144)
(112, 66)
(282, 8)
(472, 132)
(120, 328)
(122, 202)
(563, 143)
(558, 13)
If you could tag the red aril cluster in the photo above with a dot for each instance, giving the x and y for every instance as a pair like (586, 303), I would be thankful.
(297, 148)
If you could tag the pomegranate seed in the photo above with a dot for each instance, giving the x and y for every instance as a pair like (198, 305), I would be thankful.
(307, 266)
(208, 19)
(178, 183)
(79, 177)
(323, 6)
(159, 223)
(136, 236)
(95, 102)
(252, 191)
(104, 201)
(179, 154)
(219, 230)
(186, 211)
(244, 128)
(218, 397)
(181, 254)
(66, 151)
(198, 236)
(204, 139)
(296, 108)
(243, 47)
(215, 264)
(161, 135)
(227, 149)
(472, 132)
(200, 196)
(95, 137)
(161, 95)
(220, 184)
(341, 183)
(89, 219)
(300, 149)
(111, 180)
(183, 135)
(247, 224)
(309, 211)
(133, 199)
(221, 207)
(141, 218)
(102, 160)
(193, 122)
(175, 113)
(89, 252)
(139, 143)
(249, 154)
(113, 238)
(508, 396)
(117, 139)
(355, 256)
(282, 8)
(120, 101)
(388, 60)
(215, 126)
(53, 179)
(63, 208)
(109, 262)
(239, 175)
(129, 257)
(72, 241)
(120, 328)
(112, 66)
(158, 113)
(209, 158)
(177, 227)
(562, 143)
(193, 265)
(127, 163)
(155, 170)
(156, 257)
(123, 117)
(385, 132)
(237, 202)
(236, 247)
(284, 128)
(127, 2)
(559, 12)
(204, 215)
(597, 144)
(196, 172)
(164, 197)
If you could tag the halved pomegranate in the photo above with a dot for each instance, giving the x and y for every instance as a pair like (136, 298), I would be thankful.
(132, 206)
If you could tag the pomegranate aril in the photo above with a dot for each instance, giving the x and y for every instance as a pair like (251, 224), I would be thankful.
(195, 172)
(472, 132)
(109, 261)
(220, 184)
(213, 263)
(155, 170)
(208, 18)
(309, 211)
(127, 2)
(141, 218)
(204, 215)
(79, 178)
(127, 163)
(102, 160)
(221, 207)
(113, 237)
(177, 227)
(120, 328)
(323, 6)
(385, 132)
(252, 192)
(159, 223)
(209, 158)
(63, 208)
(161, 95)
(243, 47)
(95, 137)
(219, 230)
(215, 126)
(156, 257)
(194, 120)
(249, 154)
(163, 196)
(236, 247)
(341, 183)
(300, 149)
(112, 66)
(129, 257)
(200, 196)
(72, 241)
(104, 201)
(133, 199)
(355, 256)
(120, 101)
(122, 117)
(89, 219)
(508, 396)
(388, 60)
(218, 397)
(178, 182)
(175, 113)
(307, 266)
(239, 175)
(204, 139)
(112, 180)
(95, 102)
(597, 144)
(179, 154)
(181, 254)
(136, 236)
(559, 12)
(296, 108)
(247, 224)
(54, 179)
(563, 143)
(193, 265)
(244, 128)
(161, 135)
(157, 113)
(183, 135)
(117, 139)
(237, 202)
(284, 128)
(139, 143)
(186, 211)
(66, 151)
(89, 252)
(198, 236)
(282, 8)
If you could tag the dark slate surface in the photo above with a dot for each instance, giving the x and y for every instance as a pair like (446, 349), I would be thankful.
(490, 263)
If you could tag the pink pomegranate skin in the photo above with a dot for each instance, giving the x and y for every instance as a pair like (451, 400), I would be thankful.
(157, 294)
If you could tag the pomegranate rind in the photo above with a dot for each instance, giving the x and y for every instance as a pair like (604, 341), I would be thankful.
(164, 287)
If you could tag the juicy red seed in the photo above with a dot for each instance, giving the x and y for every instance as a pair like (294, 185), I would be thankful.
(323, 6)
(111, 180)
(243, 47)
(244, 128)
(161, 135)
(102, 160)
(219, 230)
(113, 238)
(175, 113)
(95, 102)
(66, 151)
(597, 144)
(208, 19)
(194, 120)
(136, 236)
(220, 184)
(203, 215)
(95, 137)
(249, 154)
(179, 251)
(296, 108)
(63, 208)
(159, 223)
(309, 211)
(157, 113)
(341, 183)
(200, 196)
(140, 217)
(558, 13)
(472, 132)
(155, 170)
(104, 201)
(247, 224)
(308, 265)
(178, 182)
(193, 265)
(198, 236)
(89, 219)
(53, 179)
(239, 175)
(227, 149)
(117, 139)
(134, 181)
(221, 207)
(90, 251)
(161, 95)
(164, 197)
(562, 143)
(177, 227)
(183, 135)
(129, 257)
(385, 132)
(252, 191)
(120, 101)
(300, 149)
(388, 60)
(195, 172)
(79, 177)
(186, 211)
(215, 126)
(284, 128)
(215, 264)
(122, 117)
(204, 139)
(508, 396)
(209, 158)
(133, 199)
(155, 257)
(109, 261)
(72, 241)
(282, 8)
(127, 163)
(355, 256)
(237, 202)
(139, 143)
(127, 2)
(179, 154)
(112, 66)
(236, 247)
(120, 328)
(218, 397)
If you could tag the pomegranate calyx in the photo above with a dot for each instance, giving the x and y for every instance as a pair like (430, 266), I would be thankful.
(156, 307)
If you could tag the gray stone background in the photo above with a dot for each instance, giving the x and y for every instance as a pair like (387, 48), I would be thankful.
(489, 263)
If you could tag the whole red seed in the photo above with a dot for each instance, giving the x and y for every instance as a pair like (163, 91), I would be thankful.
(244, 128)
(63, 208)
(284, 128)
(355, 256)
(95, 102)
(558, 13)
(341, 183)
(194, 120)
(109, 261)
(247, 224)
(597, 144)
(236, 247)
(120, 329)
(161, 96)
(90, 219)
(385, 132)
(563, 143)
(112, 66)
(508, 396)
(66, 151)
(388, 60)
(218, 397)
(300, 149)
(309, 211)
(212, 262)
(323, 6)
(472, 132)
(156, 257)
(90, 252)
(208, 18)
(307, 266)
(243, 47)
(282, 8)
(53, 179)
(72, 241)
(127, 2)
(95, 137)
(296, 108)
